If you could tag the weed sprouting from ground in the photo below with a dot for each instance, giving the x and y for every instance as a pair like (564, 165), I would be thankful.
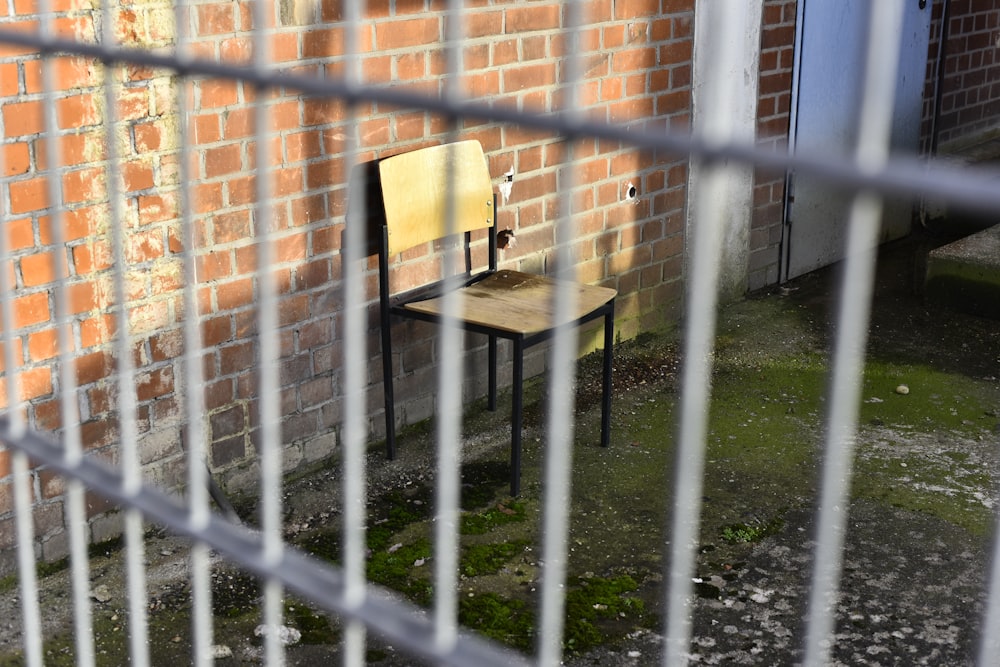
(754, 531)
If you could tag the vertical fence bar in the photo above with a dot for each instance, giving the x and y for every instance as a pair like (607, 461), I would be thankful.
(354, 318)
(128, 435)
(562, 382)
(21, 479)
(31, 622)
(202, 630)
(20, 474)
(989, 634)
(699, 335)
(853, 315)
(270, 386)
(449, 381)
(69, 410)
(31, 619)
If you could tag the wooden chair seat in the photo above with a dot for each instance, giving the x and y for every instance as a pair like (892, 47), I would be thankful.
(517, 303)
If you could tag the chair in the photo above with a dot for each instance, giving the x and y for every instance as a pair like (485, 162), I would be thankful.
(419, 190)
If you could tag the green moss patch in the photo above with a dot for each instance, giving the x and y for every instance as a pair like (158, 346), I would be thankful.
(754, 531)
(508, 621)
(316, 627)
(401, 567)
(489, 558)
(596, 608)
(935, 401)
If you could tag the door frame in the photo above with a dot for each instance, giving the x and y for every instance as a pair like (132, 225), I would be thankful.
(785, 244)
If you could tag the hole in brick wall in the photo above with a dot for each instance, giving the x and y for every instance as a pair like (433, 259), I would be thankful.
(630, 192)
(507, 184)
(505, 239)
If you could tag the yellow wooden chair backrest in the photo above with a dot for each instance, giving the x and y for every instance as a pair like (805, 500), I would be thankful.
(417, 186)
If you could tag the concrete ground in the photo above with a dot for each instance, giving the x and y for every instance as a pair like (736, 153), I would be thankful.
(921, 518)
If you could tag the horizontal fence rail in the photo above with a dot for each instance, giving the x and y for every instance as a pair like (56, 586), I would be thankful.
(405, 625)
(866, 172)
(898, 176)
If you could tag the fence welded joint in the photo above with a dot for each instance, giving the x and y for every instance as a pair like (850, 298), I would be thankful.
(403, 624)
(900, 175)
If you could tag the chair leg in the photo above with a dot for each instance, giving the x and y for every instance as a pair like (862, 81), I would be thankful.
(492, 405)
(390, 404)
(609, 337)
(517, 418)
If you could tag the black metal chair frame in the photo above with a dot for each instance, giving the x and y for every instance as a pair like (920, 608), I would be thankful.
(395, 306)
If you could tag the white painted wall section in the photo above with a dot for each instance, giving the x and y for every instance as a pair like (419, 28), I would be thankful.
(740, 68)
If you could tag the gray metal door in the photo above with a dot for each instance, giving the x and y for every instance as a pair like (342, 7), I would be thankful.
(829, 68)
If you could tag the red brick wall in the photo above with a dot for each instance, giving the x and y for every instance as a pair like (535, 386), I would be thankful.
(970, 88)
(637, 69)
(147, 161)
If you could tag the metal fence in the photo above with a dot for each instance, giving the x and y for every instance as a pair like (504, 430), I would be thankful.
(344, 591)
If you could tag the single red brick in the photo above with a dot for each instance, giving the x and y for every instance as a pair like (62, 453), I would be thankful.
(235, 294)
(76, 149)
(20, 234)
(215, 19)
(93, 366)
(21, 118)
(529, 76)
(9, 79)
(37, 269)
(10, 50)
(137, 176)
(84, 297)
(133, 103)
(536, 16)
(83, 185)
(16, 159)
(78, 111)
(400, 34)
(31, 309)
(35, 382)
(223, 160)
(216, 330)
(155, 383)
(156, 208)
(215, 93)
(214, 266)
(148, 136)
(206, 197)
